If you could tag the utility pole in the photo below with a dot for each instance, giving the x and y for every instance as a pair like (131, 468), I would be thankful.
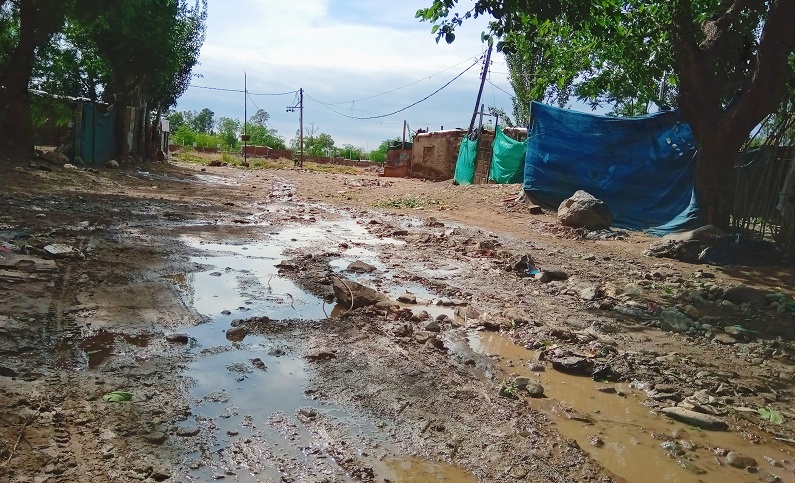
(404, 135)
(483, 75)
(300, 108)
(301, 121)
(245, 119)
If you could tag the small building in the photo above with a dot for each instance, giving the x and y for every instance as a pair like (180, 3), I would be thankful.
(434, 154)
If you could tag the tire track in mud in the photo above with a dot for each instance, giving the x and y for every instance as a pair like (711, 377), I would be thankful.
(63, 357)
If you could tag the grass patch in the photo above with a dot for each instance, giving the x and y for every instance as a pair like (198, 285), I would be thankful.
(408, 202)
(234, 159)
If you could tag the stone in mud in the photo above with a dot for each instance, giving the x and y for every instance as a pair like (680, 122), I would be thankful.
(724, 338)
(8, 372)
(537, 367)
(188, 431)
(693, 418)
(361, 267)
(518, 317)
(320, 355)
(287, 265)
(156, 437)
(572, 365)
(257, 362)
(534, 389)
(433, 326)
(589, 293)
(689, 466)
(237, 334)
(739, 460)
(353, 295)
(407, 298)
(177, 338)
(595, 441)
(606, 389)
(742, 294)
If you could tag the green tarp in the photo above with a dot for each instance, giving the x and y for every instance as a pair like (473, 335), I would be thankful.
(507, 162)
(465, 166)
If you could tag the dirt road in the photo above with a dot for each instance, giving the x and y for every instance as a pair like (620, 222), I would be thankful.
(204, 298)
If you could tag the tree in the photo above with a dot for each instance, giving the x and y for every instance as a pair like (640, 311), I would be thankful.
(203, 121)
(727, 61)
(229, 130)
(260, 118)
(379, 154)
(25, 27)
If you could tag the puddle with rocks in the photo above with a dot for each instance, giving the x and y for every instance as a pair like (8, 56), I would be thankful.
(249, 397)
(625, 436)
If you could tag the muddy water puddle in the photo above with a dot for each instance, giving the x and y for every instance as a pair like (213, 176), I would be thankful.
(249, 398)
(625, 426)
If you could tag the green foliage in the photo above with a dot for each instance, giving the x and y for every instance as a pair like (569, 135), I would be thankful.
(770, 415)
(379, 154)
(410, 201)
(262, 136)
(203, 121)
(228, 130)
(117, 396)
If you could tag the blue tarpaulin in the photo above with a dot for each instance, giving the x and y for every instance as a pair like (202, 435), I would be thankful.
(98, 137)
(642, 167)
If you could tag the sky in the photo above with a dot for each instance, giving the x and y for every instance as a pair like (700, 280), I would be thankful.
(342, 53)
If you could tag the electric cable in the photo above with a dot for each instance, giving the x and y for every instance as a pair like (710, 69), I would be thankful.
(327, 105)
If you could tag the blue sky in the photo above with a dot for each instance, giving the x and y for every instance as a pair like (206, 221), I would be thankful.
(339, 52)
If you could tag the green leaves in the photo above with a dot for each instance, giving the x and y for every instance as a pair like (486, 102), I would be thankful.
(771, 415)
(117, 396)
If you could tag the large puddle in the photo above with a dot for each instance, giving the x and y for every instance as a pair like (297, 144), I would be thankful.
(626, 427)
(249, 395)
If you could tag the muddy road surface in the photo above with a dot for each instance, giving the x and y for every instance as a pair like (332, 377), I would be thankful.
(180, 323)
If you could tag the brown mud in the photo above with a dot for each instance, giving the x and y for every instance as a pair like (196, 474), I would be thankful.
(207, 296)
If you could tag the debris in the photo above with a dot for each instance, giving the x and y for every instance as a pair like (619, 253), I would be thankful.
(59, 250)
(117, 396)
(693, 418)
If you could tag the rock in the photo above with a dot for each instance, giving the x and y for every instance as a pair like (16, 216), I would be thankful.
(518, 317)
(742, 294)
(70, 166)
(583, 210)
(554, 275)
(534, 389)
(432, 222)
(320, 355)
(589, 293)
(572, 365)
(112, 164)
(724, 338)
(674, 321)
(55, 157)
(536, 367)
(606, 389)
(59, 250)
(693, 418)
(237, 334)
(353, 295)
(595, 441)
(156, 437)
(188, 431)
(177, 338)
(361, 267)
(522, 264)
(257, 362)
(691, 312)
(535, 210)
(308, 412)
(407, 298)
(402, 330)
(8, 372)
(689, 466)
(739, 460)
(433, 326)
(686, 246)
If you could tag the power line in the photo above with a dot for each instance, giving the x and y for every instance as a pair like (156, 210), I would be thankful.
(500, 88)
(241, 90)
(398, 88)
(399, 110)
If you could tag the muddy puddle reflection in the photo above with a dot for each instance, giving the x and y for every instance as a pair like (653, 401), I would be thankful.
(626, 426)
(248, 397)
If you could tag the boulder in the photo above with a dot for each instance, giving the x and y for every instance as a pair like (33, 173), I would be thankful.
(584, 210)
(742, 294)
(112, 164)
(361, 267)
(689, 246)
(55, 157)
(693, 418)
(353, 295)
(237, 334)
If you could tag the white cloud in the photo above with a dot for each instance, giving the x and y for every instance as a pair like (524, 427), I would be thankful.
(338, 51)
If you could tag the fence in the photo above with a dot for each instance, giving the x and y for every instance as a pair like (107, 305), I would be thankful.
(763, 187)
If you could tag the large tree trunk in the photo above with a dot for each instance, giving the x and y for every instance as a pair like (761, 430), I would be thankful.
(39, 19)
(721, 128)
